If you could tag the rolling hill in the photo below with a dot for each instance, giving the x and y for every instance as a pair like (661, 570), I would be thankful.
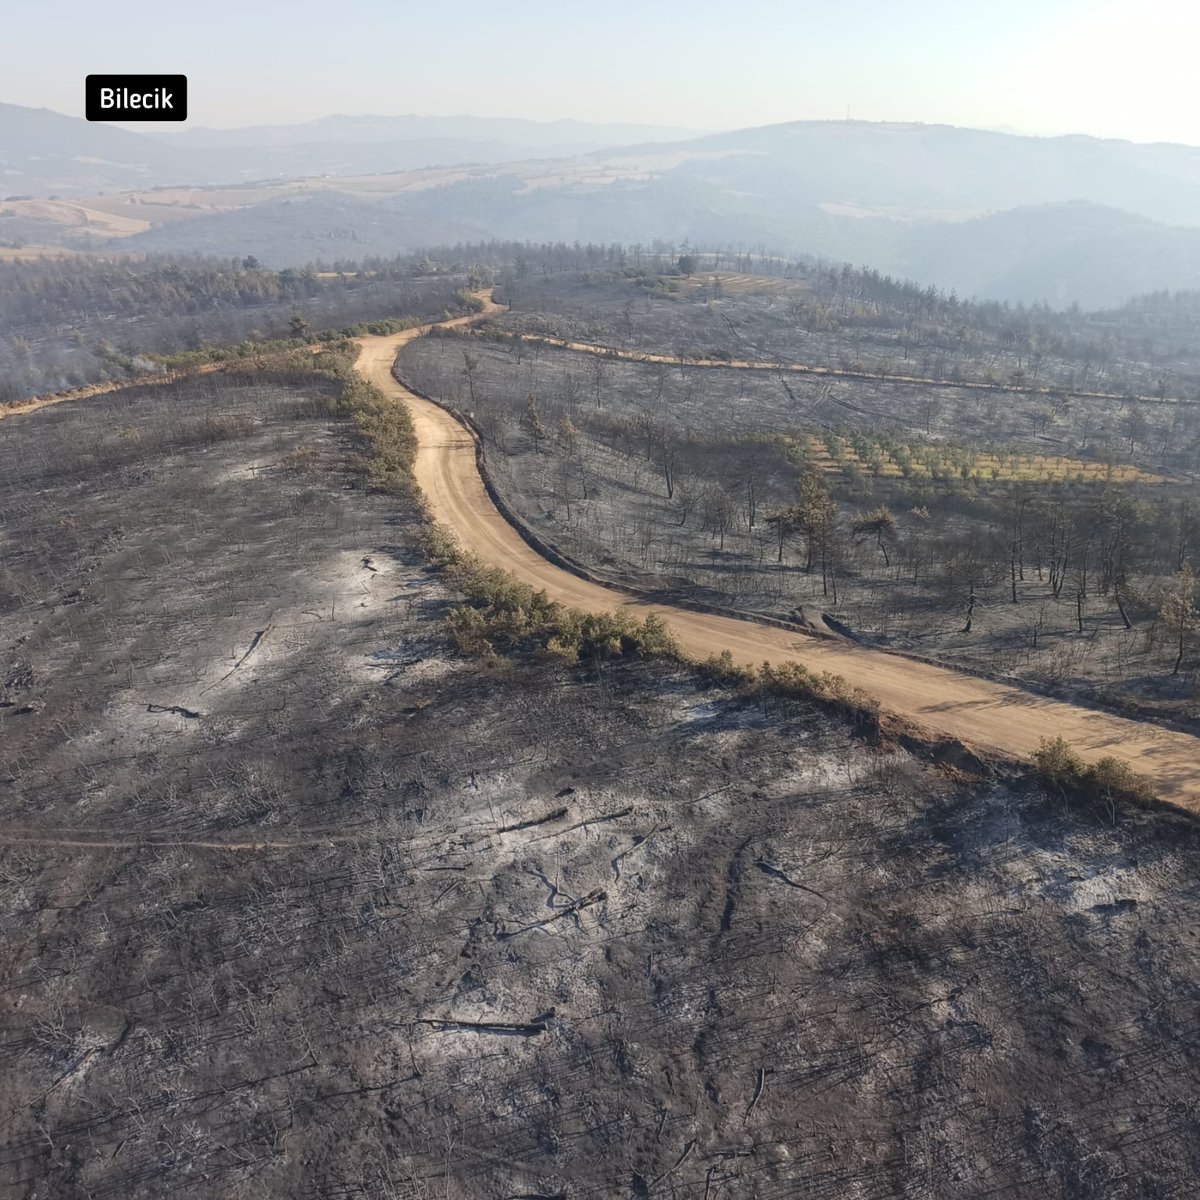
(994, 215)
(45, 153)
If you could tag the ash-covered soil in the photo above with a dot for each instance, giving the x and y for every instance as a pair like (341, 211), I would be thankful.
(603, 498)
(298, 903)
(787, 321)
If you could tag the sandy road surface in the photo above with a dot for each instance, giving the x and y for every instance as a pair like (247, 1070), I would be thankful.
(979, 712)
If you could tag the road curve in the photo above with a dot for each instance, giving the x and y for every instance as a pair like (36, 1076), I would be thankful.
(978, 712)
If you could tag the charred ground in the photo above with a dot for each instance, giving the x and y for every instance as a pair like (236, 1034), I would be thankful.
(301, 903)
(1026, 517)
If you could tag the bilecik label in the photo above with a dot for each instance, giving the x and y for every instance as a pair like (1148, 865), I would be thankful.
(136, 97)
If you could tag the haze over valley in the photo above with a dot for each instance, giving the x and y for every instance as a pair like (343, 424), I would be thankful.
(988, 215)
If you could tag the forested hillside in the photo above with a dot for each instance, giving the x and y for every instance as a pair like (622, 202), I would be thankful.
(74, 321)
(1009, 489)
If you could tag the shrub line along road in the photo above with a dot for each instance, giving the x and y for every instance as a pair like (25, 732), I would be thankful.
(981, 713)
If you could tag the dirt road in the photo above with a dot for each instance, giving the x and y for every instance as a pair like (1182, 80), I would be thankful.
(976, 711)
(794, 368)
(21, 407)
(161, 378)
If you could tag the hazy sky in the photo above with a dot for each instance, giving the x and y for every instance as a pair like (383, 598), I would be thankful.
(1117, 68)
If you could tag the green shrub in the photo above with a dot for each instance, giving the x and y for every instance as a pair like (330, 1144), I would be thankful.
(1059, 764)
(721, 670)
(272, 347)
(793, 681)
(468, 302)
(501, 610)
(1111, 778)
(1108, 779)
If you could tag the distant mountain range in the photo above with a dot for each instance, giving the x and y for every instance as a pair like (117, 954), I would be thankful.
(44, 153)
(989, 214)
(941, 167)
(554, 137)
(1056, 253)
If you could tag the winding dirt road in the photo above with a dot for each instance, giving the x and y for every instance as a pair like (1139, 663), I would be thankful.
(978, 712)
(795, 368)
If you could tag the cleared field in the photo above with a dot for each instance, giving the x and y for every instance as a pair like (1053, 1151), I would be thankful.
(745, 285)
(31, 252)
(81, 217)
(139, 207)
(134, 212)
